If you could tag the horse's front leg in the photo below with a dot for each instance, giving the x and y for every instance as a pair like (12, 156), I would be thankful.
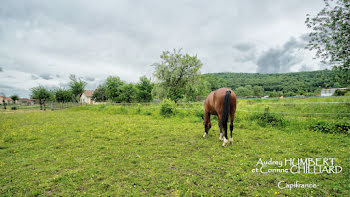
(207, 124)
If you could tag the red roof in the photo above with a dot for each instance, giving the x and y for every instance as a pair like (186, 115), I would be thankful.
(24, 100)
(88, 93)
(8, 99)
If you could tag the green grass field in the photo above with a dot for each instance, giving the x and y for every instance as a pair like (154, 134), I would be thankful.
(115, 150)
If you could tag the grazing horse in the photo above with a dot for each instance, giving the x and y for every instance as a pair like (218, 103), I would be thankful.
(221, 102)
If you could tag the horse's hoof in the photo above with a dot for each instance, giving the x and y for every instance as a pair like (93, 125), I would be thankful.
(225, 142)
(204, 135)
(231, 140)
(221, 138)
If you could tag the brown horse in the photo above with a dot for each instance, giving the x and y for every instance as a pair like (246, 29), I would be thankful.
(220, 102)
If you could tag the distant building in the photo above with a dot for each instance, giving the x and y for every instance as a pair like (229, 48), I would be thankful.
(86, 97)
(330, 92)
(7, 100)
(25, 101)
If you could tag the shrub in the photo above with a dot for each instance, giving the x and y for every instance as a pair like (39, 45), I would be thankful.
(265, 119)
(339, 92)
(167, 108)
(13, 108)
(148, 113)
(340, 126)
(199, 113)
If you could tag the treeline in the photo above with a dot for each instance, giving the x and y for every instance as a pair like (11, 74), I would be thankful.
(279, 84)
(113, 89)
(244, 85)
(177, 77)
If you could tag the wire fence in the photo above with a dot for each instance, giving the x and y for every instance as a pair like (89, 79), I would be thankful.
(35, 107)
(199, 107)
(190, 106)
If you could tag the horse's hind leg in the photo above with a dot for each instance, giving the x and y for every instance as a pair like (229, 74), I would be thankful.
(224, 127)
(231, 127)
(232, 116)
(207, 124)
(220, 126)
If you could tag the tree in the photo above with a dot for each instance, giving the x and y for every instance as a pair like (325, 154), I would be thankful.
(258, 91)
(99, 94)
(77, 87)
(274, 93)
(330, 36)
(144, 90)
(41, 94)
(3, 100)
(200, 88)
(175, 72)
(127, 93)
(14, 98)
(159, 91)
(63, 95)
(244, 91)
(113, 85)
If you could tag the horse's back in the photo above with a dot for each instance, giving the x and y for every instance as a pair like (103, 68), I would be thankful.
(215, 100)
(209, 103)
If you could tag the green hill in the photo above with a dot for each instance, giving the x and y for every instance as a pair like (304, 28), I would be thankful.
(277, 84)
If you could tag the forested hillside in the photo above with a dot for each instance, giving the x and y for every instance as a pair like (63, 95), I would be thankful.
(287, 84)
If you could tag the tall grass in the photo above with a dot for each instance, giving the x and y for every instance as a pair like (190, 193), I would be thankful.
(260, 113)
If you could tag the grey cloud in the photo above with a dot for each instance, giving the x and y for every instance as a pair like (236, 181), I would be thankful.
(281, 59)
(244, 46)
(34, 77)
(46, 76)
(89, 78)
(11, 90)
(305, 67)
(305, 37)
(244, 52)
(3, 86)
(1, 70)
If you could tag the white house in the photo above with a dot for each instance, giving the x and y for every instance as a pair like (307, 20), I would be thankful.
(86, 97)
(330, 92)
(7, 100)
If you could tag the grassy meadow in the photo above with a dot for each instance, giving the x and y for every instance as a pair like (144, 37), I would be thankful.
(113, 150)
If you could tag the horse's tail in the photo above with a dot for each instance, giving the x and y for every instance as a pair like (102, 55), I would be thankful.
(226, 108)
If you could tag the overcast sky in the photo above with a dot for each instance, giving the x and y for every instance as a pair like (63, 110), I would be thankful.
(42, 42)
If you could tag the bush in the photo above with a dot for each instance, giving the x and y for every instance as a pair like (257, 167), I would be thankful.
(265, 119)
(340, 126)
(148, 113)
(339, 92)
(13, 108)
(167, 108)
(199, 113)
